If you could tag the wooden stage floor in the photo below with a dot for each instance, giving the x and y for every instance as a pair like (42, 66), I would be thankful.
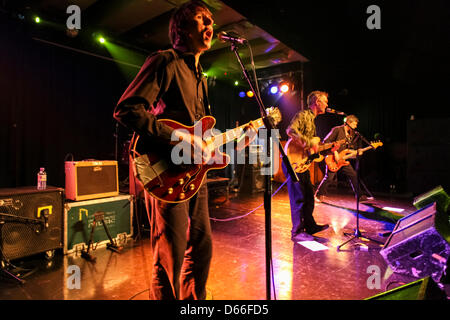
(238, 266)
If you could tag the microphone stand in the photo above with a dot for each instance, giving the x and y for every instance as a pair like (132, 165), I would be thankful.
(268, 180)
(357, 233)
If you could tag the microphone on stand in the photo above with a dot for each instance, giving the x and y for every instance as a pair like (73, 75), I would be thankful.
(224, 37)
(330, 110)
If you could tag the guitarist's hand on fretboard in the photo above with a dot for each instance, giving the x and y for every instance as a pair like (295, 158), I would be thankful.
(250, 134)
(336, 156)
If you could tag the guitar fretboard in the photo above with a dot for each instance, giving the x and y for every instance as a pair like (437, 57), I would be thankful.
(232, 134)
(330, 145)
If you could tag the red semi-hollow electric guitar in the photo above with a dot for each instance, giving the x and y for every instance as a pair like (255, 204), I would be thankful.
(174, 181)
(334, 165)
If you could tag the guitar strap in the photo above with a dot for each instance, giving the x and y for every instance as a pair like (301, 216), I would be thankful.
(207, 106)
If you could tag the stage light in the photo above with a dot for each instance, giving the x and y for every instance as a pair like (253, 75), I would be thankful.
(274, 89)
(101, 40)
(242, 94)
(250, 94)
(236, 83)
(37, 20)
(284, 87)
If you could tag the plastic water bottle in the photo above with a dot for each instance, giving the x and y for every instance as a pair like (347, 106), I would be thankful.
(42, 179)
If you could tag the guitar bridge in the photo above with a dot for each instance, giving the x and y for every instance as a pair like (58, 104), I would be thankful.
(146, 172)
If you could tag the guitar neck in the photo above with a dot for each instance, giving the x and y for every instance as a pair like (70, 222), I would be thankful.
(353, 154)
(329, 145)
(366, 148)
(233, 134)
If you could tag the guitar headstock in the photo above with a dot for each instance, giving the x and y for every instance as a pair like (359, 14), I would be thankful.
(376, 144)
(274, 114)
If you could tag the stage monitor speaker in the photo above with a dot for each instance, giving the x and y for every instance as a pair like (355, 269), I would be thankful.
(31, 221)
(437, 195)
(419, 244)
(423, 289)
(91, 179)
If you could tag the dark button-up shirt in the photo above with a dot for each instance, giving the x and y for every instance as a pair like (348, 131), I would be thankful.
(338, 133)
(168, 86)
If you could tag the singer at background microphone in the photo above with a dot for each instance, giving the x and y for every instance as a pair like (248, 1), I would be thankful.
(224, 37)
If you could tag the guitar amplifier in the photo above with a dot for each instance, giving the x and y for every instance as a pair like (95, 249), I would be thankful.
(91, 179)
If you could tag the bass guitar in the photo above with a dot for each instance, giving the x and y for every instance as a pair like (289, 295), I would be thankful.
(301, 158)
(172, 181)
(334, 165)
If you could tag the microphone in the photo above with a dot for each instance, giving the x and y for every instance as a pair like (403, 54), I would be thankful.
(224, 37)
(329, 110)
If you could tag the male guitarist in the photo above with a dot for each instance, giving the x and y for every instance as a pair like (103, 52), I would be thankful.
(302, 133)
(170, 85)
(353, 142)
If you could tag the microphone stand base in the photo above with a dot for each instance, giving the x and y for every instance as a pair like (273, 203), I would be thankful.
(89, 257)
(357, 235)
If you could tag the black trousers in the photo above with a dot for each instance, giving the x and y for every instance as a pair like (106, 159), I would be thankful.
(182, 247)
(301, 198)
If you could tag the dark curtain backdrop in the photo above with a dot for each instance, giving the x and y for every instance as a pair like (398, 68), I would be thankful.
(58, 103)
(54, 102)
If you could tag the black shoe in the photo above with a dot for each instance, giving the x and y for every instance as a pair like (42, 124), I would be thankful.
(317, 228)
(363, 198)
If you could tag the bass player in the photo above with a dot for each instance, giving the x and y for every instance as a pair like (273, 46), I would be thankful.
(353, 142)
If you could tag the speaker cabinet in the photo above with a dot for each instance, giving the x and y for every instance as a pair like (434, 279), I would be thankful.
(218, 190)
(252, 181)
(423, 289)
(419, 244)
(91, 179)
(30, 221)
(250, 177)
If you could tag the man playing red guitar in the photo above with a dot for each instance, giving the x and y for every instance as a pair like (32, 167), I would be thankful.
(171, 85)
(344, 131)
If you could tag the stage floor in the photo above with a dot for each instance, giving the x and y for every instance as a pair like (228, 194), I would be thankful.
(238, 270)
